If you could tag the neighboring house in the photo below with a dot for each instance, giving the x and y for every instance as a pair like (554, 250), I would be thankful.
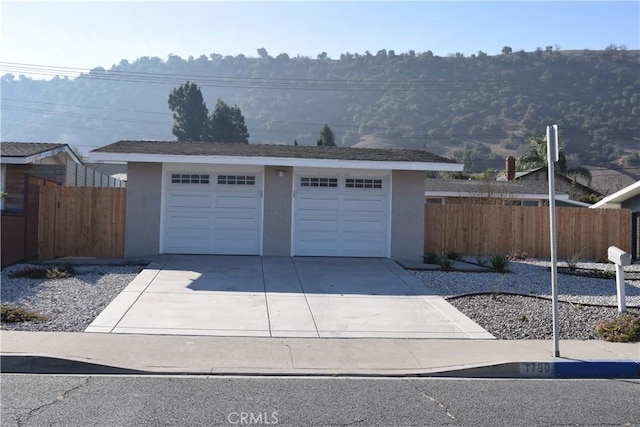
(273, 200)
(24, 167)
(51, 161)
(627, 198)
(563, 184)
(114, 170)
(19, 159)
(508, 193)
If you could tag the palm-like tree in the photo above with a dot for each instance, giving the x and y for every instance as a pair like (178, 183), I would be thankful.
(536, 157)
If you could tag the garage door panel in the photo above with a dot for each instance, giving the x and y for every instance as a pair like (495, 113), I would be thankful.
(249, 201)
(223, 224)
(186, 243)
(190, 200)
(318, 203)
(366, 205)
(363, 225)
(213, 217)
(342, 220)
(188, 222)
(317, 224)
(318, 245)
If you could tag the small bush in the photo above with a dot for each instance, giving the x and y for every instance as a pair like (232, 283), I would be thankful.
(624, 328)
(58, 273)
(523, 318)
(12, 313)
(481, 261)
(573, 260)
(431, 259)
(446, 264)
(454, 256)
(44, 273)
(499, 263)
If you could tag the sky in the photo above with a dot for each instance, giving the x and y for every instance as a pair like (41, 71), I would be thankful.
(90, 34)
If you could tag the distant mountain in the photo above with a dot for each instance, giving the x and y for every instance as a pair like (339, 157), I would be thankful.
(476, 109)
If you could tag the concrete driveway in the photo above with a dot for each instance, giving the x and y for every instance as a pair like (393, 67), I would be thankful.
(281, 297)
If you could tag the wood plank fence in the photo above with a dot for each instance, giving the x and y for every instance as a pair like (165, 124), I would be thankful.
(483, 230)
(81, 221)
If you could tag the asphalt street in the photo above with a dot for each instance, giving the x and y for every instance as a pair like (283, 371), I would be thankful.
(34, 400)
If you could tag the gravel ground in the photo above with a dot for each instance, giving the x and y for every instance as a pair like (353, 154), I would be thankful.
(70, 305)
(526, 317)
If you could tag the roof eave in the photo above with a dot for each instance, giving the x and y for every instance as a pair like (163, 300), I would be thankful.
(620, 196)
(277, 161)
(528, 196)
(32, 158)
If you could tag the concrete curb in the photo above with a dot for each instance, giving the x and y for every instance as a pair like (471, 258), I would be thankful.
(561, 369)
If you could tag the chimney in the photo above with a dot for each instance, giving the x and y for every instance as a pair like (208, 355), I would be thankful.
(510, 168)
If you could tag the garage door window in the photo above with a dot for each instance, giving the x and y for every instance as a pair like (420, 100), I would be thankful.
(236, 180)
(363, 183)
(319, 182)
(177, 178)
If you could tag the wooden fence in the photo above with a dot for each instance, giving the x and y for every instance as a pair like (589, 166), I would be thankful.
(482, 230)
(83, 222)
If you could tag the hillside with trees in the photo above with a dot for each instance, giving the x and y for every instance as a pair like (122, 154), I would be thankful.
(476, 109)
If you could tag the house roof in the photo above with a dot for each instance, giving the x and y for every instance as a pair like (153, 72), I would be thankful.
(476, 188)
(29, 152)
(275, 155)
(618, 197)
(519, 175)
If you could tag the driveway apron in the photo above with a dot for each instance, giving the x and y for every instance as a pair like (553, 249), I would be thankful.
(282, 297)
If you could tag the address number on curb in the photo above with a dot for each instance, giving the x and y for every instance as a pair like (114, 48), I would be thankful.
(536, 369)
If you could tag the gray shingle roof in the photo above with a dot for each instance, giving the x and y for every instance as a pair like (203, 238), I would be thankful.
(467, 187)
(25, 149)
(264, 150)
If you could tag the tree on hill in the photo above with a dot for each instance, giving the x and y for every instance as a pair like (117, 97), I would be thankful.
(226, 124)
(189, 112)
(327, 138)
(536, 157)
(193, 123)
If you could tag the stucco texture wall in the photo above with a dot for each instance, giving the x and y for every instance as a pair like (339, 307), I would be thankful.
(407, 216)
(144, 196)
(276, 238)
(633, 204)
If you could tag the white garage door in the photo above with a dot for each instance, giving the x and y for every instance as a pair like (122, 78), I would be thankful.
(341, 215)
(212, 211)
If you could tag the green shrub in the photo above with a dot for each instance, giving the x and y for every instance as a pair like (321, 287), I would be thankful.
(431, 259)
(454, 256)
(499, 263)
(12, 313)
(481, 261)
(624, 328)
(446, 264)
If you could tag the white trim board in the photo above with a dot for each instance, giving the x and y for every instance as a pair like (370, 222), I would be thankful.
(277, 161)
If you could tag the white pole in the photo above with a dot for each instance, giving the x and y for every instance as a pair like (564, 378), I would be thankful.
(552, 157)
(622, 304)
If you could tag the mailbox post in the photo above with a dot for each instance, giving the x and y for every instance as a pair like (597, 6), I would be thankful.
(620, 258)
